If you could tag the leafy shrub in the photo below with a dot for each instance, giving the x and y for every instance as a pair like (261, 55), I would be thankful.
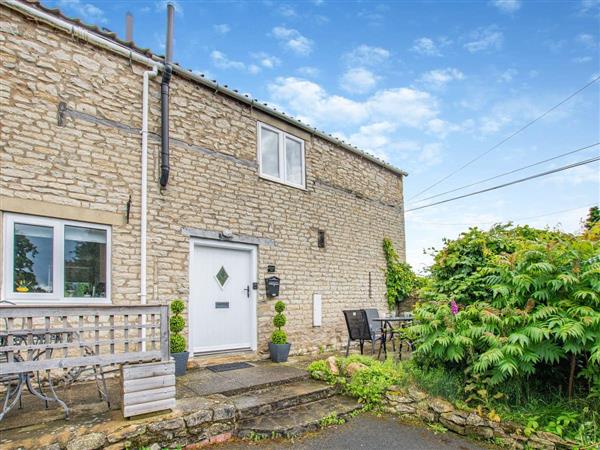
(279, 336)
(177, 306)
(177, 342)
(320, 371)
(279, 320)
(400, 280)
(176, 324)
(458, 269)
(532, 308)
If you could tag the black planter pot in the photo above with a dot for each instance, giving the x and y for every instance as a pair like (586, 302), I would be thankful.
(181, 360)
(279, 352)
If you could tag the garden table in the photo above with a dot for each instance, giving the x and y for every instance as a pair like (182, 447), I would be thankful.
(44, 340)
(386, 323)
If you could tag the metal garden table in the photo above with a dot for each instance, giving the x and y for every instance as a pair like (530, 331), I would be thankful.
(386, 323)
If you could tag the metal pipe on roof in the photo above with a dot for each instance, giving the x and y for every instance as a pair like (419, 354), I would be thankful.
(129, 27)
(134, 55)
(164, 101)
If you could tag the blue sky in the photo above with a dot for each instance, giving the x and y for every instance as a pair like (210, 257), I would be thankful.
(425, 85)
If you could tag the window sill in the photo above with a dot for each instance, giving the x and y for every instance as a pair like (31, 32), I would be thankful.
(55, 302)
(280, 181)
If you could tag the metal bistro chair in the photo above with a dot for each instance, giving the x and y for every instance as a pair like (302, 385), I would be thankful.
(358, 328)
(375, 328)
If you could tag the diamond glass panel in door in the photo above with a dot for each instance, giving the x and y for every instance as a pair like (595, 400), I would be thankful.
(222, 276)
(293, 161)
(85, 262)
(33, 253)
(269, 152)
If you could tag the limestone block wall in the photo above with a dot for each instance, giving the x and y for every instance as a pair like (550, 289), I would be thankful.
(71, 118)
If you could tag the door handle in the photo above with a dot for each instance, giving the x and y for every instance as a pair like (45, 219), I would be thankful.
(247, 289)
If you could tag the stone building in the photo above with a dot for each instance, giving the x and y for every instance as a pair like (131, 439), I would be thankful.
(252, 194)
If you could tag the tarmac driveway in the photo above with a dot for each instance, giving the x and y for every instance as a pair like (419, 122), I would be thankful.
(366, 431)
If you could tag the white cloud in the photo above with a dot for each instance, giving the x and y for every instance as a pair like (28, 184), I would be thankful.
(431, 154)
(403, 106)
(438, 78)
(222, 28)
(586, 39)
(426, 46)
(287, 11)
(488, 38)
(86, 11)
(265, 60)
(309, 71)
(507, 6)
(365, 55)
(293, 40)
(582, 59)
(221, 61)
(507, 76)
(588, 6)
(358, 80)
(578, 175)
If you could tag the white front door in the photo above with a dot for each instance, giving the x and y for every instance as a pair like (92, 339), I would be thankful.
(222, 307)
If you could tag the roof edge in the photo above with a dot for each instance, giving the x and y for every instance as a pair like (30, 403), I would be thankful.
(108, 41)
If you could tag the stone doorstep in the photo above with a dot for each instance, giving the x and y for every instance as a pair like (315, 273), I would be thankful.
(265, 401)
(298, 419)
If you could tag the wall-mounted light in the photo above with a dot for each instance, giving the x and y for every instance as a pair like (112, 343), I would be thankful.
(226, 234)
(321, 239)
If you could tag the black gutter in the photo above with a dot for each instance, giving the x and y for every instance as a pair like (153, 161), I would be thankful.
(165, 169)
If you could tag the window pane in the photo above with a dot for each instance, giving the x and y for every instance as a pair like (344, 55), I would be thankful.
(33, 258)
(85, 262)
(269, 152)
(293, 161)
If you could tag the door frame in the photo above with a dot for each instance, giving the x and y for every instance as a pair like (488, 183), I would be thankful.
(230, 245)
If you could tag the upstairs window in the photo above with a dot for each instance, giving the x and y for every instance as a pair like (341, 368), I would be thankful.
(281, 156)
(55, 261)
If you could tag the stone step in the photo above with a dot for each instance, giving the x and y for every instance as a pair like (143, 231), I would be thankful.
(298, 419)
(275, 398)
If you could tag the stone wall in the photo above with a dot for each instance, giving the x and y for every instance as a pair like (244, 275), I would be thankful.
(410, 401)
(71, 117)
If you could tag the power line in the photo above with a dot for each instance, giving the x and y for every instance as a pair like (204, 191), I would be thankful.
(521, 180)
(510, 172)
(494, 147)
(511, 220)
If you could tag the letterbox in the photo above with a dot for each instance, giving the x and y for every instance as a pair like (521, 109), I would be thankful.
(272, 286)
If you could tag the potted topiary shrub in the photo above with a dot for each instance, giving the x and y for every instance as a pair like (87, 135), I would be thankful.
(279, 346)
(176, 340)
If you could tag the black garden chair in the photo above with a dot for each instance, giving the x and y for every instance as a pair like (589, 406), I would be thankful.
(357, 322)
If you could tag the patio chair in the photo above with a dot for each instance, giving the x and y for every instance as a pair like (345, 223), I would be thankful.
(358, 328)
(375, 328)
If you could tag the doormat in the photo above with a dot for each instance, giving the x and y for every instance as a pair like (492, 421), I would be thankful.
(230, 366)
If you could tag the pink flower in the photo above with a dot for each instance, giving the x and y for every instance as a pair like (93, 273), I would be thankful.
(454, 307)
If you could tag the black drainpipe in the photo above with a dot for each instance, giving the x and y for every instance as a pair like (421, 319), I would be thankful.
(164, 101)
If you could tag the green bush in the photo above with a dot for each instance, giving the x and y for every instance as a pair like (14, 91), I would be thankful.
(177, 306)
(176, 325)
(533, 308)
(279, 306)
(178, 343)
(279, 337)
(279, 320)
(400, 280)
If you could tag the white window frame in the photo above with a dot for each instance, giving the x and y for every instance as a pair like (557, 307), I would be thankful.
(56, 297)
(282, 136)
